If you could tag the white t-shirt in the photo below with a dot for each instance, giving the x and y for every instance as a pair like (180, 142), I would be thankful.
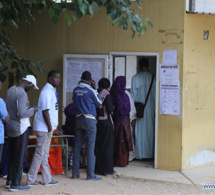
(47, 101)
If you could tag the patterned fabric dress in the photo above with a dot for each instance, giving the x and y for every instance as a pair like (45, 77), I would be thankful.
(122, 130)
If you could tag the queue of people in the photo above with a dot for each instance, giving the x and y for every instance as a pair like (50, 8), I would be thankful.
(104, 121)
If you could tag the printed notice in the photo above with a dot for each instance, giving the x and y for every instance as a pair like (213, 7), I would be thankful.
(170, 57)
(169, 72)
(74, 70)
(169, 97)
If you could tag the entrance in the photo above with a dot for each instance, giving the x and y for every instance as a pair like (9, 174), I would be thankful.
(109, 66)
(126, 64)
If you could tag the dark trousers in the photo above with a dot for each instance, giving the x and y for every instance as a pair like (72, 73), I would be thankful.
(1, 148)
(17, 147)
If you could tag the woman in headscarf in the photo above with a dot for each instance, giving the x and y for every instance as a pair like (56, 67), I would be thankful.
(105, 135)
(122, 131)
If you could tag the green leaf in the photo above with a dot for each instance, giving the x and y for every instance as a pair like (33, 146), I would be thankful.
(13, 24)
(78, 12)
(134, 27)
(115, 14)
(95, 7)
(103, 1)
(137, 18)
(68, 19)
(83, 8)
(142, 30)
(133, 35)
(145, 21)
(116, 20)
(80, 2)
(122, 22)
(149, 22)
(138, 3)
(123, 9)
(51, 12)
(127, 3)
(91, 10)
(86, 2)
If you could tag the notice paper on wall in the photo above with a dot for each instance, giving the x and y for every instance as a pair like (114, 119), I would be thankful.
(169, 57)
(169, 72)
(170, 97)
(75, 68)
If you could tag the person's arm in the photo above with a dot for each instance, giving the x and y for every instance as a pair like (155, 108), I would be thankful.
(96, 98)
(134, 90)
(3, 111)
(46, 117)
(22, 110)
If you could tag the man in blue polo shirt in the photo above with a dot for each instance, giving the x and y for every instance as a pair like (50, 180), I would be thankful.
(86, 99)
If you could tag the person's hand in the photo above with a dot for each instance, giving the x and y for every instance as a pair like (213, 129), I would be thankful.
(7, 118)
(133, 123)
(56, 132)
(49, 129)
(35, 109)
(93, 83)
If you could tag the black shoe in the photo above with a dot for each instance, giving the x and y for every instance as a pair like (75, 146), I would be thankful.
(113, 173)
(8, 184)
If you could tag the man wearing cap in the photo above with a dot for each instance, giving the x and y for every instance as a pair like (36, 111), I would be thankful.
(86, 99)
(45, 122)
(18, 129)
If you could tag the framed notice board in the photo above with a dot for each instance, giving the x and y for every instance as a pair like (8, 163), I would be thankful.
(73, 67)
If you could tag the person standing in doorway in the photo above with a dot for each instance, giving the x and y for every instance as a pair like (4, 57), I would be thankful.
(144, 127)
(45, 122)
(18, 130)
(86, 99)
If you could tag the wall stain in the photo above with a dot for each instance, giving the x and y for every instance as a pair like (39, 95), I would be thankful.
(161, 31)
(189, 72)
(198, 108)
(173, 34)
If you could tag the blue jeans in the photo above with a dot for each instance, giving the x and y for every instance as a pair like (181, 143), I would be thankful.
(87, 127)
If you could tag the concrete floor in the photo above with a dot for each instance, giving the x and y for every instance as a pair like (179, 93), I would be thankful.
(145, 170)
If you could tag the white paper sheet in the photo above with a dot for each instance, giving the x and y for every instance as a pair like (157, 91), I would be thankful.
(170, 97)
(169, 72)
(170, 57)
(119, 68)
(76, 68)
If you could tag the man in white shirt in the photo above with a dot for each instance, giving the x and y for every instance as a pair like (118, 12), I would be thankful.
(45, 122)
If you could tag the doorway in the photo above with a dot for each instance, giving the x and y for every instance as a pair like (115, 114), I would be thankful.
(126, 64)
